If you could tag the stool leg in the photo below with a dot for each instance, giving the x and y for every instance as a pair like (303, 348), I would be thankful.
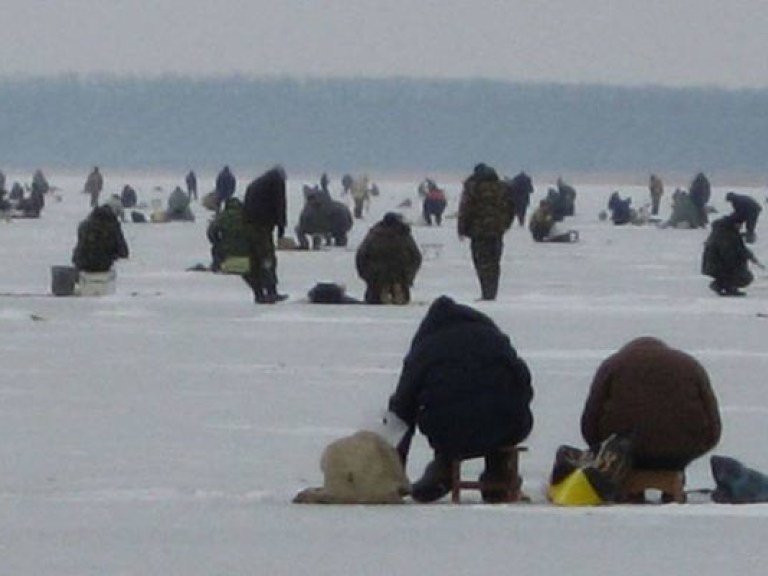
(513, 491)
(456, 481)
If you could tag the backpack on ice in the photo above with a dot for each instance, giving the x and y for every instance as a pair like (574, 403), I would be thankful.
(736, 483)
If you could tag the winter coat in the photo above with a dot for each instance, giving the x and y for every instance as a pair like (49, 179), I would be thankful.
(435, 201)
(518, 191)
(567, 195)
(388, 254)
(191, 182)
(100, 241)
(655, 187)
(700, 190)
(265, 202)
(541, 222)
(128, 197)
(178, 206)
(225, 184)
(463, 384)
(726, 256)
(359, 188)
(94, 183)
(684, 212)
(227, 231)
(660, 396)
(621, 213)
(745, 207)
(558, 204)
(39, 183)
(321, 215)
(483, 208)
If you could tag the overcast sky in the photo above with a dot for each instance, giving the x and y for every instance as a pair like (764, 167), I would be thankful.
(669, 42)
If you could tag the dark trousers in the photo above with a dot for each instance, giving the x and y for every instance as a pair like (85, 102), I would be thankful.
(262, 276)
(486, 256)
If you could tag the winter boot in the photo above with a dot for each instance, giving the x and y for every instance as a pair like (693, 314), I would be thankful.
(255, 286)
(434, 483)
(399, 295)
(385, 294)
(716, 288)
(489, 286)
(271, 296)
(496, 472)
(732, 291)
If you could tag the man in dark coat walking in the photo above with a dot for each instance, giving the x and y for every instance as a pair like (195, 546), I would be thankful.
(484, 217)
(467, 390)
(264, 211)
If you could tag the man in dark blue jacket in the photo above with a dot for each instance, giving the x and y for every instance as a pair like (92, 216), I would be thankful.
(746, 209)
(225, 186)
(468, 392)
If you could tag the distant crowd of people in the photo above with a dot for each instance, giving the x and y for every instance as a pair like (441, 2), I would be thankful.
(242, 232)
(23, 201)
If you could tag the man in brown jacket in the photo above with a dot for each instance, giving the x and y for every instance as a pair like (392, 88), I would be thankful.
(659, 396)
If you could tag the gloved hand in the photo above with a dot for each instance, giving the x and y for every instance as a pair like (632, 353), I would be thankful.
(280, 231)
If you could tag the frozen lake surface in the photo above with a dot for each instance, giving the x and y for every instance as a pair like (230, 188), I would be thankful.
(166, 428)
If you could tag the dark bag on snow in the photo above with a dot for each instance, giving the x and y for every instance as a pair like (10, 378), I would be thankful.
(737, 484)
(329, 293)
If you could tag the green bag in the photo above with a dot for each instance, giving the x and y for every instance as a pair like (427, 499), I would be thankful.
(236, 265)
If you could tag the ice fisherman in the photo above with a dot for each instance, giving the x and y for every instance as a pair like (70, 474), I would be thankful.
(468, 392)
(484, 217)
(387, 260)
(264, 206)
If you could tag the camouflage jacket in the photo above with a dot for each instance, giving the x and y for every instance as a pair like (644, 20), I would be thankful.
(483, 209)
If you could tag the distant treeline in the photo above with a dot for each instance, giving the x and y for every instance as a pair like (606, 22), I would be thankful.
(393, 125)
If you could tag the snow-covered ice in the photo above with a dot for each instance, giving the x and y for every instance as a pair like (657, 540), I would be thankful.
(164, 429)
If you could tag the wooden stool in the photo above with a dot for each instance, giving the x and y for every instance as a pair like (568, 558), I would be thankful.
(511, 489)
(671, 483)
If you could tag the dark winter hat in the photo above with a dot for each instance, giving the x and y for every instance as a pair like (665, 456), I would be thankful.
(485, 172)
(392, 219)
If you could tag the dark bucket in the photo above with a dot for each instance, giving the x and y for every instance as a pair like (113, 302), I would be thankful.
(63, 280)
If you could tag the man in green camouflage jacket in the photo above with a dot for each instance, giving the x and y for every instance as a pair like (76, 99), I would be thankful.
(484, 217)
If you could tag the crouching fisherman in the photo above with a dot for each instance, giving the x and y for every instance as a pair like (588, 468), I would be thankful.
(544, 228)
(229, 239)
(468, 392)
(100, 241)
